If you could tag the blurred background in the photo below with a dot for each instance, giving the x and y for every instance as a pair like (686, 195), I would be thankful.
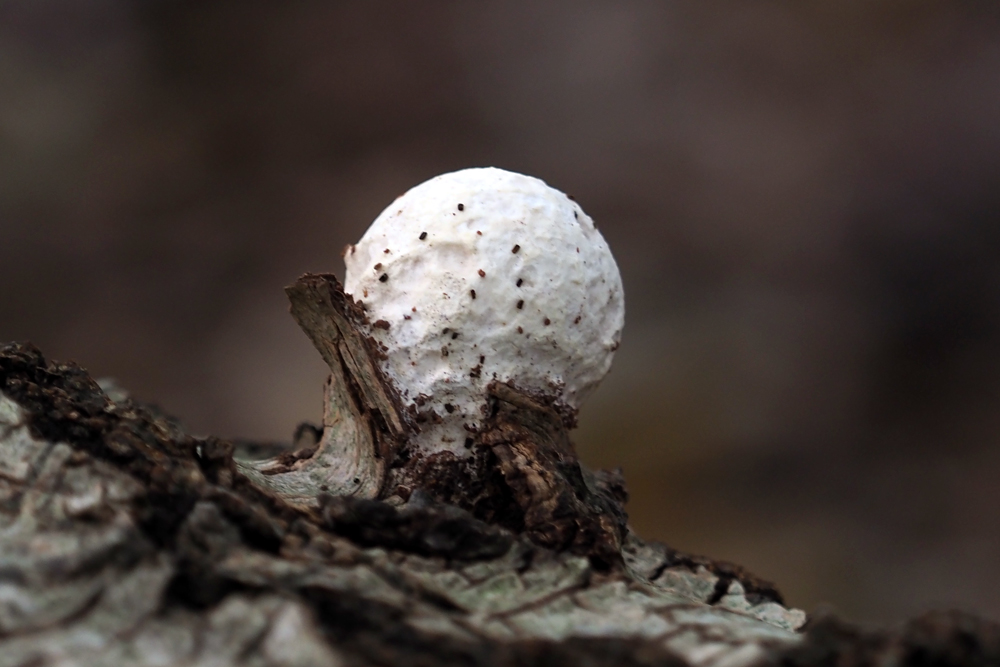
(803, 199)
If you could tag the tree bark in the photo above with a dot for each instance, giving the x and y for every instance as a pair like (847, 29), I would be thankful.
(126, 541)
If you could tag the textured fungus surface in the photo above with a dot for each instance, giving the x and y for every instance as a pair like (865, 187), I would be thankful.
(482, 275)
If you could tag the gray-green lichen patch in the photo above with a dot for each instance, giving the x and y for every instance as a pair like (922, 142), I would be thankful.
(769, 612)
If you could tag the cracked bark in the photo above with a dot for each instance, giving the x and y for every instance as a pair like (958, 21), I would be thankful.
(124, 540)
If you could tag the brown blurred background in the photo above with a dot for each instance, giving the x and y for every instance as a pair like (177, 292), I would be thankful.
(803, 199)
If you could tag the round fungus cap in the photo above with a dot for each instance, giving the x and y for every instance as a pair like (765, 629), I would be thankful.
(481, 275)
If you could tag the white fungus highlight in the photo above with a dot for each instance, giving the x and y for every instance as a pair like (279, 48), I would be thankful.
(480, 275)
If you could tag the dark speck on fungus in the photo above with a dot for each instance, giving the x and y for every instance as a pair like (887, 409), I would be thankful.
(515, 249)
(520, 330)
(381, 324)
(454, 335)
(378, 266)
(449, 408)
(461, 207)
(384, 277)
(473, 293)
(547, 321)
(519, 282)
(520, 304)
(386, 251)
(577, 320)
(482, 274)
(423, 235)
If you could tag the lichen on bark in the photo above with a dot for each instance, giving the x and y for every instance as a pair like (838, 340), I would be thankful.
(125, 540)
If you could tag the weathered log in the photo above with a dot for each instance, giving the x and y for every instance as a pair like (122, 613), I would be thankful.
(126, 541)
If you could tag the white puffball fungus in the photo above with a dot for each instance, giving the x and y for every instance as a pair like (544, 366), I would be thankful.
(480, 275)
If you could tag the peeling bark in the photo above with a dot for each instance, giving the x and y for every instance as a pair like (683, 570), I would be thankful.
(126, 541)
(363, 423)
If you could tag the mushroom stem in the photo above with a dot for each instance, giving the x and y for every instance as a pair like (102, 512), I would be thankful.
(363, 425)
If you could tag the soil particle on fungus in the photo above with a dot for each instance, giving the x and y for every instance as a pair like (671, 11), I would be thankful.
(547, 321)
(472, 293)
(482, 274)
(519, 282)
(476, 372)
(577, 320)
(516, 249)
(384, 277)
(378, 266)
(444, 351)
(520, 330)
(461, 207)
(454, 335)
(520, 304)
(381, 324)
(423, 235)
(449, 408)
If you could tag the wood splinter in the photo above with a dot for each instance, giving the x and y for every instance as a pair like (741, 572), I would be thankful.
(363, 424)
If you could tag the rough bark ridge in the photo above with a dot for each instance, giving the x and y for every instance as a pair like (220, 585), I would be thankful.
(125, 541)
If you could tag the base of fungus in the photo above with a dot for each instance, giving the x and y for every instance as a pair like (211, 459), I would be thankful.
(522, 472)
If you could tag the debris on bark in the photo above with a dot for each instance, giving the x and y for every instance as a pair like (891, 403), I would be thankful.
(126, 541)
